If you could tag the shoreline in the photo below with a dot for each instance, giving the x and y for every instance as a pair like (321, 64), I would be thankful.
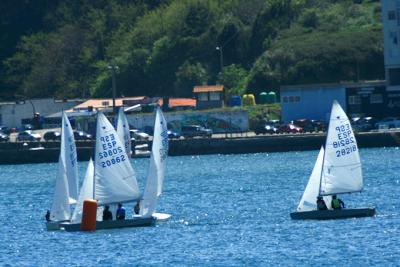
(43, 152)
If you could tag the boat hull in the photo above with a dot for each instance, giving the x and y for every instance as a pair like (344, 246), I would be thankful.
(333, 214)
(54, 225)
(135, 222)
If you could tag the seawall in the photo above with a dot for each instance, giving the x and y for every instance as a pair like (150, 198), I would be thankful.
(16, 153)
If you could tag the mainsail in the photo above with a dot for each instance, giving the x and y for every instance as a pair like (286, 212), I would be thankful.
(66, 189)
(123, 131)
(69, 157)
(60, 209)
(155, 177)
(86, 192)
(341, 171)
(309, 198)
(115, 180)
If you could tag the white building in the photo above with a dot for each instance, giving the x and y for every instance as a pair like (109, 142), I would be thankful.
(12, 114)
(391, 33)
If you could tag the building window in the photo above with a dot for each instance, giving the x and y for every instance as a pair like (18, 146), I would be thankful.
(354, 100)
(297, 98)
(215, 96)
(392, 15)
(105, 103)
(376, 99)
(393, 36)
(394, 76)
(203, 97)
(285, 99)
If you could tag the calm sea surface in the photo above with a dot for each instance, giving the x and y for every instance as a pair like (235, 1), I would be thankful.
(228, 210)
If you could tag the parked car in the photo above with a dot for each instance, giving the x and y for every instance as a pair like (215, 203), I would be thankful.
(387, 123)
(290, 128)
(363, 124)
(267, 127)
(5, 129)
(82, 136)
(4, 137)
(26, 127)
(139, 135)
(195, 130)
(52, 135)
(173, 135)
(28, 135)
(310, 125)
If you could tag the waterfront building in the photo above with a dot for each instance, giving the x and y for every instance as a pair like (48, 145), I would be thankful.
(14, 114)
(314, 101)
(209, 96)
(391, 37)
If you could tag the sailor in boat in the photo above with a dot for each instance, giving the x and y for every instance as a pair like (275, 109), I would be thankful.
(321, 204)
(107, 215)
(48, 216)
(136, 209)
(337, 203)
(120, 212)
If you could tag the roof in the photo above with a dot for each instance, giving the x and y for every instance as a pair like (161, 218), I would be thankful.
(105, 102)
(208, 88)
(179, 102)
(335, 85)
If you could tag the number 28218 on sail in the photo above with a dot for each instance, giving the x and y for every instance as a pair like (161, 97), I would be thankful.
(345, 140)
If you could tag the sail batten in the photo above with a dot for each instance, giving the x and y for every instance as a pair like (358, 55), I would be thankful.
(341, 170)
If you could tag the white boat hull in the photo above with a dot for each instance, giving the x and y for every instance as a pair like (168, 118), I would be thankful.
(161, 216)
(332, 214)
(135, 222)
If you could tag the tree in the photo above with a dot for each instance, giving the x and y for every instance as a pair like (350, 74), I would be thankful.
(188, 76)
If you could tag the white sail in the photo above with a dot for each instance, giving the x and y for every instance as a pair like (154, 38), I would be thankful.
(85, 193)
(342, 166)
(115, 180)
(123, 131)
(69, 157)
(60, 209)
(309, 198)
(155, 177)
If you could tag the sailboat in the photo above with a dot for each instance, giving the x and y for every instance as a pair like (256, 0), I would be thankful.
(66, 189)
(156, 172)
(336, 171)
(114, 178)
(123, 131)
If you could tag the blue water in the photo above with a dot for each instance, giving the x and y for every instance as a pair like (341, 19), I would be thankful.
(228, 210)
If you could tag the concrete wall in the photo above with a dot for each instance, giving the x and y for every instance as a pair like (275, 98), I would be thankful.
(310, 101)
(221, 121)
(13, 113)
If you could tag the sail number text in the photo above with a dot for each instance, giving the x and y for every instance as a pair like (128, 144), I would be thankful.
(111, 153)
(345, 143)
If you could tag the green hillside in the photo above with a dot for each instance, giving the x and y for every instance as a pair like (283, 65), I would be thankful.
(164, 47)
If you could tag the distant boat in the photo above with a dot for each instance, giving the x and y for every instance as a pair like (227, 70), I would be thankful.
(336, 171)
(114, 178)
(66, 189)
(123, 131)
(156, 172)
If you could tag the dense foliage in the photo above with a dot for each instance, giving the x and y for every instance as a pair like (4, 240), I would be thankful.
(165, 47)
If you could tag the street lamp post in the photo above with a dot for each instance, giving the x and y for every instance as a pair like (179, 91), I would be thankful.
(221, 59)
(113, 69)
